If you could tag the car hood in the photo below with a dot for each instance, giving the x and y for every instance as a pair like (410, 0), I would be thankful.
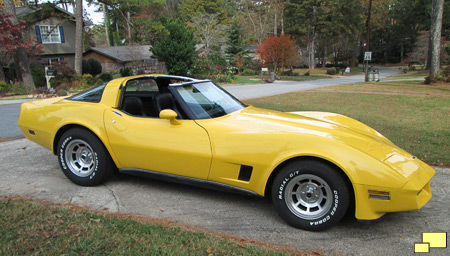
(336, 127)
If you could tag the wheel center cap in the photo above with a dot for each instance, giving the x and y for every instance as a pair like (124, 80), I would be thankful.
(86, 156)
(310, 193)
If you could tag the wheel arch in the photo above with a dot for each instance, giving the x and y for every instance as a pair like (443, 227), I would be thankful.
(67, 127)
(318, 159)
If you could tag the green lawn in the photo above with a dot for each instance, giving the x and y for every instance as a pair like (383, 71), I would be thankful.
(32, 228)
(317, 73)
(257, 79)
(410, 74)
(418, 123)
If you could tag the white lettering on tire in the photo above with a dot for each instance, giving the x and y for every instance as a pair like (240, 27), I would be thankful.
(61, 152)
(333, 211)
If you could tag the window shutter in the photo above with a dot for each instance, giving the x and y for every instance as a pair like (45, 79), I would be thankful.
(38, 34)
(61, 33)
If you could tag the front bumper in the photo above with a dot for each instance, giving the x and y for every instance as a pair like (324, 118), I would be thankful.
(412, 196)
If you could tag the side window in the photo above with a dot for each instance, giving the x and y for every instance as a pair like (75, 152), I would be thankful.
(91, 95)
(138, 97)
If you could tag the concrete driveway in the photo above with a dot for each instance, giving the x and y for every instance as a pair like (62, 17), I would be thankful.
(29, 170)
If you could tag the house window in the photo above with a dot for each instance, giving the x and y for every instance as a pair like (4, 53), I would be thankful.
(48, 62)
(50, 34)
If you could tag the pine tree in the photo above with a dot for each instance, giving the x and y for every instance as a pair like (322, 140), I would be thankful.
(176, 47)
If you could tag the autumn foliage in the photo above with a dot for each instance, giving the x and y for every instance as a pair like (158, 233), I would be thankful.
(278, 52)
(9, 33)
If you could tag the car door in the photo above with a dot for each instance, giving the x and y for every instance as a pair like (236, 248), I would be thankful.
(157, 145)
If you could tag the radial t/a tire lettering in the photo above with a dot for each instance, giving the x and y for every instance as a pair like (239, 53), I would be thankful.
(310, 195)
(83, 158)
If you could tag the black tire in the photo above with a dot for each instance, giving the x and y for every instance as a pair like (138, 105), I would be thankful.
(83, 158)
(310, 195)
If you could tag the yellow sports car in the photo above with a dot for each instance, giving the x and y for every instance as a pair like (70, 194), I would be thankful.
(313, 165)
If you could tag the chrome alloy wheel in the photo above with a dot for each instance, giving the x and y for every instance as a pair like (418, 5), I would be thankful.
(308, 196)
(80, 158)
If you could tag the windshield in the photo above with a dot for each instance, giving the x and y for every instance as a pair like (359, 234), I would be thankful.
(207, 100)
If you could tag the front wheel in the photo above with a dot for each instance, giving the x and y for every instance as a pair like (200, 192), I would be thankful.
(310, 195)
(83, 158)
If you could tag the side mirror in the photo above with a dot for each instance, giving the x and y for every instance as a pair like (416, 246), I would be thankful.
(169, 114)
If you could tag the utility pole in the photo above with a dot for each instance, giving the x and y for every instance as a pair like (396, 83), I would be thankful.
(366, 62)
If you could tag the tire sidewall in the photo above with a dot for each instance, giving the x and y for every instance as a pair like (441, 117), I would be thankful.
(101, 171)
(339, 191)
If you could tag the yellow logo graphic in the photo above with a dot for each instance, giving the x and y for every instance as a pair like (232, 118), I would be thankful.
(431, 240)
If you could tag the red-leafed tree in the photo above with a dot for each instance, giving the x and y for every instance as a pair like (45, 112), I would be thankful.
(278, 52)
(12, 43)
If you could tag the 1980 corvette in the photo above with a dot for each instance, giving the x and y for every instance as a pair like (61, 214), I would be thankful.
(313, 165)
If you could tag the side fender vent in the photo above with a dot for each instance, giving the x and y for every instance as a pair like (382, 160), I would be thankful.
(246, 173)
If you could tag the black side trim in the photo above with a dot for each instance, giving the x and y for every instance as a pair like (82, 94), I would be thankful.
(246, 173)
(188, 181)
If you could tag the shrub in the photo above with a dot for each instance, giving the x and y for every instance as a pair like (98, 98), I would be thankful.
(338, 70)
(85, 67)
(106, 77)
(61, 93)
(38, 73)
(203, 67)
(331, 71)
(42, 90)
(219, 78)
(64, 70)
(307, 73)
(289, 73)
(126, 71)
(5, 87)
(87, 81)
(95, 67)
(22, 89)
(230, 77)
(248, 72)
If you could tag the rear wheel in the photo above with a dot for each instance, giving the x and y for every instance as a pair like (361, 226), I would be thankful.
(310, 195)
(83, 158)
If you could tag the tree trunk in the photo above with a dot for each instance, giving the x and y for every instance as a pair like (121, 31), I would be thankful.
(128, 27)
(324, 60)
(2, 73)
(282, 18)
(435, 37)
(23, 63)
(275, 22)
(78, 36)
(106, 21)
(428, 64)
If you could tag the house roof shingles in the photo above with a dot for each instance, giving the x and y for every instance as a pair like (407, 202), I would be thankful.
(124, 53)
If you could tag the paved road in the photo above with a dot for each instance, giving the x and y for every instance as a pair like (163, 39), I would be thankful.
(9, 114)
(8, 121)
(281, 87)
(29, 170)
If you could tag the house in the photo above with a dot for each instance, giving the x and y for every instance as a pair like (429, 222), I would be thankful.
(54, 28)
(137, 57)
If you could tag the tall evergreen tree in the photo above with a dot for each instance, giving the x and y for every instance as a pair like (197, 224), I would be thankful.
(175, 47)
(234, 39)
